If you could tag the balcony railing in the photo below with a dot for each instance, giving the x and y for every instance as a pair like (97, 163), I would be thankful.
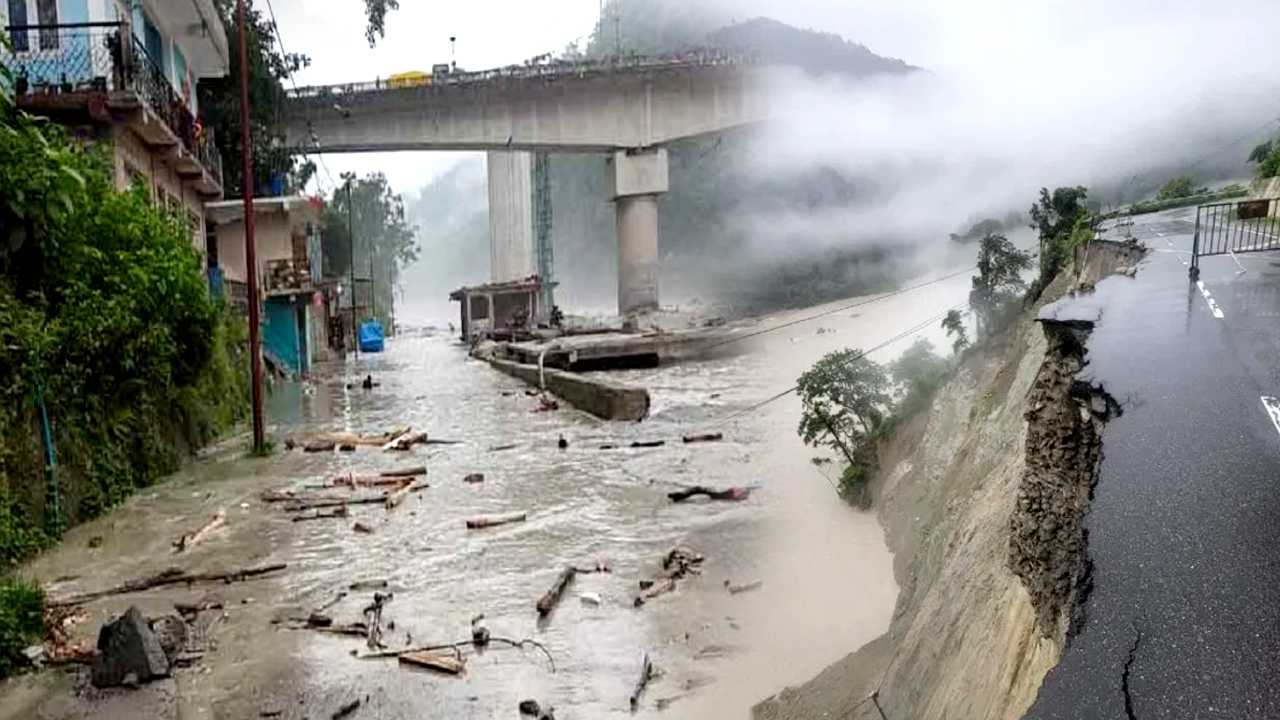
(64, 60)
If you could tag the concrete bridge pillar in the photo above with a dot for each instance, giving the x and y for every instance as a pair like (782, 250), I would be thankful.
(511, 254)
(635, 180)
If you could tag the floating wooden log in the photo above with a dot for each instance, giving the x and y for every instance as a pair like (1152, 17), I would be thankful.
(646, 673)
(195, 538)
(705, 437)
(172, 576)
(733, 493)
(551, 598)
(485, 521)
(453, 665)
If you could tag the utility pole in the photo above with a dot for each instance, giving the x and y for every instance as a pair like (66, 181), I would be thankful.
(373, 286)
(351, 238)
(250, 246)
(453, 52)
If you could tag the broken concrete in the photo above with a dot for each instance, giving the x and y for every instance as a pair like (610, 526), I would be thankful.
(601, 397)
(128, 652)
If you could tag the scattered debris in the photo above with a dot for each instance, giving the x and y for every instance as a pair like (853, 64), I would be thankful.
(346, 710)
(546, 404)
(318, 619)
(368, 383)
(479, 631)
(651, 589)
(373, 619)
(706, 437)
(646, 673)
(172, 576)
(745, 587)
(474, 478)
(677, 564)
(500, 448)
(551, 598)
(733, 493)
(95, 542)
(532, 709)
(318, 446)
(453, 665)
(406, 440)
(395, 497)
(195, 538)
(339, 512)
(368, 585)
(458, 647)
(344, 438)
(128, 652)
(485, 521)
(648, 443)
(35, 655)
(562, 443)
(362, 528)
(608, 446)
(590, 598)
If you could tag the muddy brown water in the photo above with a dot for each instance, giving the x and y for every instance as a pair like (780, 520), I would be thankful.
(827, 577)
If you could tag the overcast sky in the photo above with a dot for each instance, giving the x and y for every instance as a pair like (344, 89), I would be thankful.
(490, 33)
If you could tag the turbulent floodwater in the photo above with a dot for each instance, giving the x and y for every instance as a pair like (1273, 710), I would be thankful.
(584, 504)
(827, 578)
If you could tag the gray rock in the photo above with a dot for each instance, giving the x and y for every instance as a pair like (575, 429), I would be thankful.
(126, 646)
(172, 633)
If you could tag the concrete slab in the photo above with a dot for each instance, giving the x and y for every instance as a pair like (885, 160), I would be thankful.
(606, 399)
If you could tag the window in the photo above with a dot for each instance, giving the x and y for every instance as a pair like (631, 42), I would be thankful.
(18, 18)
(47, 13)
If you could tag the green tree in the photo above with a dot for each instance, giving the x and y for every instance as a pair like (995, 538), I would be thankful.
(918, 373)
(376, 13)
(845, 399)
(1178, 187)
(998, 282)
(1055, 217)
(385, 242)
(953, 323)
(269, 69)
(1267, 156)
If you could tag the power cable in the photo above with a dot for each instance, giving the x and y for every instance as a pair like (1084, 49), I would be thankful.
(275, 26)
(842, 308)
(861, 354)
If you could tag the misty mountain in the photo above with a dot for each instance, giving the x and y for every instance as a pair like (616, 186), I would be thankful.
(813, 51)
(452, 216)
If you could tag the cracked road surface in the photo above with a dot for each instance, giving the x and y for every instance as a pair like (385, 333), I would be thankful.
(1184, 529)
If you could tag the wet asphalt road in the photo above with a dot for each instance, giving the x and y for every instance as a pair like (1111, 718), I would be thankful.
(1184, 530)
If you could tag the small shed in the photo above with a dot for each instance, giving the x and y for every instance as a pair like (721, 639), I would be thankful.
(501, 308)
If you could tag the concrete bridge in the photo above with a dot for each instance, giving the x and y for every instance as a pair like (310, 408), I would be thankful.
(627, 109)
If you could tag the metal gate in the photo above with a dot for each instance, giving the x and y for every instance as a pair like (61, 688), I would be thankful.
(1235, 227)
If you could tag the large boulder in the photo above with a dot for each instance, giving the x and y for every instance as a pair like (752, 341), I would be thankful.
(172, 634)
(128, 652)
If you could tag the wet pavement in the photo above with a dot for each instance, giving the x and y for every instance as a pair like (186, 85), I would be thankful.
(1184, 528)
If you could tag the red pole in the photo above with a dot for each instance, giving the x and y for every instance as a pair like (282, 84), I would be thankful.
(250, 247)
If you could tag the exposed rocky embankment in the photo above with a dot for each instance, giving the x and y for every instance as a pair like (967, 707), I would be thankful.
(981, 500)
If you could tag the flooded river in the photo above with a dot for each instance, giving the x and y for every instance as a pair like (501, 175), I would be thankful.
(827, 584)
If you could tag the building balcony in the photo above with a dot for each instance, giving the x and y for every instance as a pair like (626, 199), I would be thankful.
(102, 72)
(287, 277)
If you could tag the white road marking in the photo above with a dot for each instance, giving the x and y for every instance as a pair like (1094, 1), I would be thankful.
(1208, 298)
(1272, 406)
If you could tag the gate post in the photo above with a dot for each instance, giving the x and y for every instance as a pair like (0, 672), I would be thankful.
(1195, 250)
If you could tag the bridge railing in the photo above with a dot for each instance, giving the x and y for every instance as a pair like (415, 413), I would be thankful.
(555, 69)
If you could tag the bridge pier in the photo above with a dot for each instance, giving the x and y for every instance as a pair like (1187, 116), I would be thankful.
(635, 179)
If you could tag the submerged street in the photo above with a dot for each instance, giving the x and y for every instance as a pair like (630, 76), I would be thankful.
(825, 577)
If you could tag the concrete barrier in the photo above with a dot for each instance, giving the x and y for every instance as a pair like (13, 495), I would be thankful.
(603, 398)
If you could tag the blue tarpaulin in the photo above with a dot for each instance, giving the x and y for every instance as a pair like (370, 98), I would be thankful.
(371, 336)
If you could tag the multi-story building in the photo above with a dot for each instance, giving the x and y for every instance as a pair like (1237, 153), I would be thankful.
(124, 73)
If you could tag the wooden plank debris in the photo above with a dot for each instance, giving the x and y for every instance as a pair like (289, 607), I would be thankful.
(191, 539)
